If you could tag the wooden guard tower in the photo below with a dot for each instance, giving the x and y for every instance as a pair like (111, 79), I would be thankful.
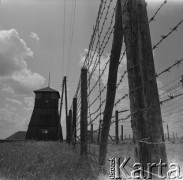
(45, 120)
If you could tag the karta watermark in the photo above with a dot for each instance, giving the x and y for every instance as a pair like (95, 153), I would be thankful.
(118, 170)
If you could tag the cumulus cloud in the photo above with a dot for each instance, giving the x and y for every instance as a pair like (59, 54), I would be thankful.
(103, 61)
(7, 89)
(29, 101)
(13, 67)
(29, 79)
(7, 118)
(34, 36)
(11, 120)
(15, 101)
(13, 51)
(16, 88)
(28, 105)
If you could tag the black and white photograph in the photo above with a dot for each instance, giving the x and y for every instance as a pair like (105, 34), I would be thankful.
(91, 89)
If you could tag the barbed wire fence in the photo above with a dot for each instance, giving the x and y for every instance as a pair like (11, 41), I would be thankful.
(96, 64)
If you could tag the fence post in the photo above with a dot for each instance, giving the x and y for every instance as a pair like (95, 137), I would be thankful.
(66, 111)
(116, 129)
(99, 131)
(168, 133)
(91, 134)
(67, 128)
(121, 132)
(74, 119)
(111, 85)
(84, 111)
(60, 135)
(144, 97)
(70, 127)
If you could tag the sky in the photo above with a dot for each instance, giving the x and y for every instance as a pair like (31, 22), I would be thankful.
(33, 43)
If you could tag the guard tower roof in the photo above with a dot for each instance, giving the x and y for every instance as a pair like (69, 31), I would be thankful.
(47, 90)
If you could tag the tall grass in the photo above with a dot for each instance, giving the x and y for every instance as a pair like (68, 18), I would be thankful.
(43, 160)
(54, 160)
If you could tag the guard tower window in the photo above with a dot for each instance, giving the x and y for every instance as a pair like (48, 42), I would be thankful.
(44, 131)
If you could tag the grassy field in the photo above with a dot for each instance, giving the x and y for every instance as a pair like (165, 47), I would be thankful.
(43, 160)
(53, 160)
